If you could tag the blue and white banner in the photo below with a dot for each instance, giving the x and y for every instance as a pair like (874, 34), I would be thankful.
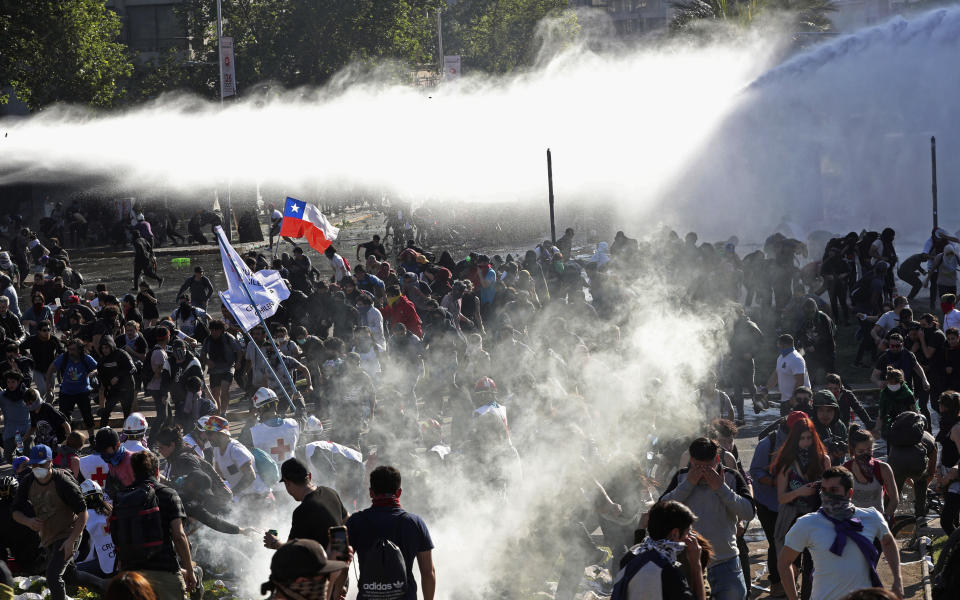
(266, 287)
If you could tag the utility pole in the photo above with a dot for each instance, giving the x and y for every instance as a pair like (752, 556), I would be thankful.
(228, 212)
(933, 167)
(440, 43)
(553, 225)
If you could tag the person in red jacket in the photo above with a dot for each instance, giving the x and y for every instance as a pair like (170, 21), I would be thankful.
(399, 309)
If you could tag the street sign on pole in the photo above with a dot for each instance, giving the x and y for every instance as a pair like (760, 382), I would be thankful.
(451, 67)
(229, 81)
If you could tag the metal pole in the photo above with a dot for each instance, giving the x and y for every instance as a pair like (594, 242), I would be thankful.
(933, 167)
(228, 212)
(293, 384)
(553, 225)
(220, 48)
(443, 73)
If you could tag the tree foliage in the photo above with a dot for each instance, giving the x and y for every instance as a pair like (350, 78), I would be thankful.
(62, 50)
(497, 36)
(304, 42)
(806, 15)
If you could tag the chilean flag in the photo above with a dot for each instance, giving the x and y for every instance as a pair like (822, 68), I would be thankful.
(302, 220)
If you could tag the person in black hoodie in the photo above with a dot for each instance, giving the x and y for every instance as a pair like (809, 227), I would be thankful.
(183, 365)
(116, 370)
(205, 496)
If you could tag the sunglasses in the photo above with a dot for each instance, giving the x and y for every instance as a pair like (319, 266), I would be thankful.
(896, 345)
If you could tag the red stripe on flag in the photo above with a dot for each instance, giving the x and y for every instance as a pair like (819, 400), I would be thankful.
(298, 228)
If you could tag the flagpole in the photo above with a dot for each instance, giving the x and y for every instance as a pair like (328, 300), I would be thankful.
(273, 343)
(263, 357)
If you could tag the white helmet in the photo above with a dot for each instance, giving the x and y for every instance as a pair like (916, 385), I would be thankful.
(135, 424)
(263, 397)
(313, 425)
(90, 487)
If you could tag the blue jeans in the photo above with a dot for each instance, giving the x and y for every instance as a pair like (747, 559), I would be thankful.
(726, 580)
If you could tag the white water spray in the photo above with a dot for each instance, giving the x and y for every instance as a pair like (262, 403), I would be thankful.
(620, 127)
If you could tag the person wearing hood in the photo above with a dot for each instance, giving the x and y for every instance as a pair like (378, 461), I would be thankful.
(116, 371)
(144, 261)
(896, 397)
(622, 245)
(10, 326)
(829, 427)
(10, 293)
(944, 266)
(816, 335)
(16, 415)
(933, 247)
(601, 256)
(8, 267)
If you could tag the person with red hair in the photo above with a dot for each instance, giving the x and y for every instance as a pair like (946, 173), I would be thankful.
(797, 467)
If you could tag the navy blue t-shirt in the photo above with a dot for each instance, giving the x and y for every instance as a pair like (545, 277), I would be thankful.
(364, 528)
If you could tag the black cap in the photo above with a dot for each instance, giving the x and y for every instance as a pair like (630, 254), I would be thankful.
(106, 438)
(293, 470)
(299, 558)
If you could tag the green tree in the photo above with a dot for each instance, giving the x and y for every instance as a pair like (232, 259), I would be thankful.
(61, 50)
(305, 42)
(497, 36)
(805, 15)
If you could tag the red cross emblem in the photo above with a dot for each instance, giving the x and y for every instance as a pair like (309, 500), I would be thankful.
(99, 476)
(281, 449)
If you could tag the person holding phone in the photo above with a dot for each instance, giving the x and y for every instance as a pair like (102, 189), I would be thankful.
(320, 507)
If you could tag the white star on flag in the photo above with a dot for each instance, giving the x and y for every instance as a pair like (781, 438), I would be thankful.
(293, 207)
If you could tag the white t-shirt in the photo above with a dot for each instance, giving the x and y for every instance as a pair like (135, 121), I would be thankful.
(836, 576)
(888, 320)
(339, 267)
(876, 248)
(230, 462)
(951, 319)
(788, 366)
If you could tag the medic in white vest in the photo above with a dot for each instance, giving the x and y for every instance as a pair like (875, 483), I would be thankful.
(273, 434)
(100, 563)
(135, 432)
(94, 468)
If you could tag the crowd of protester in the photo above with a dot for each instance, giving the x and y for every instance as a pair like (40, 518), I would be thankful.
(414, 349)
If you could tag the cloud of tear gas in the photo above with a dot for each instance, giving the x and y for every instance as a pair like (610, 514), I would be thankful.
(621, 123)
(576, 415)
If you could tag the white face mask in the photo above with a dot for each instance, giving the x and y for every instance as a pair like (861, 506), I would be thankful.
(41, 472)
(893, 387)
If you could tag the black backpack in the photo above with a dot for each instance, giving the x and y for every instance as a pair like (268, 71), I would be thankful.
(136, 525)
(383, 570)
(906, 430)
